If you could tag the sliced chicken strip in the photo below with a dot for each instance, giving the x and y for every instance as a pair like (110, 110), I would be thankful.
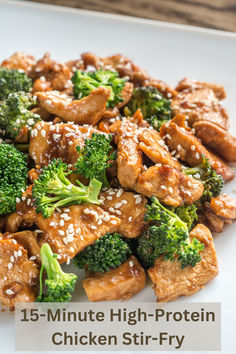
(170, 281)
(224, 206)
(117, 284)
(217, 138)
(154, 147)
(71, 229)
(24, 216)
(170, 185)
(190, 84)
(126, 94)
(129, 157)
(200, 104)
(129, 207)
(49, 141)
(27, 239)
(20, 61)
(18, 275)
(190, 149)
(56, 74)
(88, 110)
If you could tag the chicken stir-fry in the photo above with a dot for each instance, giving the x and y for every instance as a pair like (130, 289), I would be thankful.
(116, 171)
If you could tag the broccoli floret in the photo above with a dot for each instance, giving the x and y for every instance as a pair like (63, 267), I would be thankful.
(85, 82)
(13, 81)
(156, 109)
(13, 177)
(52, 189)
(94, 158)
(59, 284)
(167, 236)
(15, 113)
(106, 253)
(213, 183)
(188, 214)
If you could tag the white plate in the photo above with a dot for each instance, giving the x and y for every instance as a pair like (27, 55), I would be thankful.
(169, 52)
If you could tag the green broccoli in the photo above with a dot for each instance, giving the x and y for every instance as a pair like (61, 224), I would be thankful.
(13, 81)
(167, 236)
(94, 158)
(85, 82)
(15, 113)
(106, 253)
(59, 284)
(213, 183)
(188, 214)
(52, 189)
(13, 177)
(155, 108)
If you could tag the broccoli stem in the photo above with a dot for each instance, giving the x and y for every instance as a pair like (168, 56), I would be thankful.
(50, 263)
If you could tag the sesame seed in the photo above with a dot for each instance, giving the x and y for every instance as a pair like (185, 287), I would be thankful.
(114, 222)
(86, 211)
(17, 200)
(93, 227)
(109, 198)
(131, 263)
(68, 261)
(10, 265)
(118, 212)
(163, 187)
(197, 155)
(189, 184)
(193, 147)
(118, 205)
(9, 292)
(130, 218)
(72, 249)
(15, 254)
(170, 189)
(33, 258)
(19, 253)
(61, 222)
(112, 210)
(61, 232)
(43, 133)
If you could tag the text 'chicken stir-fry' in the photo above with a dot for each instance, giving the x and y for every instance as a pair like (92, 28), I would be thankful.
(103, 165)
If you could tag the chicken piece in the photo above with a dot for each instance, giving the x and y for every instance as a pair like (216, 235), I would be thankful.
(212, 221)
(126, 94)
(20, 61)
(118, 62)
(27, 239)
(200, 104)
(24, 216)
(88, 110)
(41, 85)
(117, 284)
(170, 281)
(190, 84)
(154, 147)
(190, 149)
(129, 207)
(224, 206)
(74, 228)
(161, 86)
(129, 156)
(49, 141)
(18, 275)
(74, 65)
(170, 185)
(56, 74)
(217, 138)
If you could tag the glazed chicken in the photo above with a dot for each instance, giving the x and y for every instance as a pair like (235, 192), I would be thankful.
(71, 229)
(118, 284)
(18, 275)
(170, 281)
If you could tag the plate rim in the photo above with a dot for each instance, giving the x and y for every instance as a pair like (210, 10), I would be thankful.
(124, 18)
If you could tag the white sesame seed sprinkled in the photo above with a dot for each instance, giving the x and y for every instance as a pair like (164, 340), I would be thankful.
(86, 211)
(19, 253)
(61, 222)
(118, 205)
(43, 133)
(9, 292)
(17, 200)
(109, 198)
(131, 263)
(68, 261)
(193, 147)
(189, 184)
(33, 258)
(15, 254)
(124, 201)
(12, 259)
(197, 155)
(114, 222)
(112, 210)
(93, 227)
(10, 265)
(61, 232)
(130, 218)
(72, 249)
(170, 189)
